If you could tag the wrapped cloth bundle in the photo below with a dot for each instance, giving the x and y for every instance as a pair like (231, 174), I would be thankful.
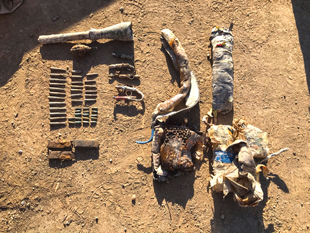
(222, 70)
(238, 154)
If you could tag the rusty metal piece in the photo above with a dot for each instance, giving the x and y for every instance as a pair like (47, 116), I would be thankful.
(58, 69)
(86, 143)
(120, 66)
(59, 144)
(62, 155)
(80, 50)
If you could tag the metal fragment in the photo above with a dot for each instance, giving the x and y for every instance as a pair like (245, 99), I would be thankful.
(86, 143)
(91, 74)
(58, 85)
(122, 56)
(58, 75)
(62, 155)
(126, 66)
(58, 93)
(90, 95)
(58, 123)
(57, 80)
(56, 98)
(90, 81)
(76, 90)
(76, 71)
(77, 83)
(127, 91)
(58, 69)
(57, 89)
(57, 113)
(57, 103)
(76, 95)
(57, 108)
(58, 144)
(76, 87)
(58, 118)
(76, 76)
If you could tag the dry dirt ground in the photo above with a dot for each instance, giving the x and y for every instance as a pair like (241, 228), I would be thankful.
(272, 73)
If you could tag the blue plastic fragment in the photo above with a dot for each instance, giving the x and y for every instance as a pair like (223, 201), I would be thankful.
(224, 156)
(144, 142)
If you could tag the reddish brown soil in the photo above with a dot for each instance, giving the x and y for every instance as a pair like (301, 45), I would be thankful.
(271, 58)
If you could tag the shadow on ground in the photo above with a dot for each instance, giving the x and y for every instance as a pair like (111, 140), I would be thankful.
(301, 9)
(19, 33)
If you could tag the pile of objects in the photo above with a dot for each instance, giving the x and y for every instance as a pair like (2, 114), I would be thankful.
(240, 150)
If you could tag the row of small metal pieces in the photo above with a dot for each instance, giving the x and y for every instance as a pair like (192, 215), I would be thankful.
(77, 119)
(77, 89)
(57, 96)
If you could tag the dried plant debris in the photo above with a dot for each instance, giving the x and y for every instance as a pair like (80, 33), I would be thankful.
(222, 70)
(173, 149)
(239, 152)
(80, 50)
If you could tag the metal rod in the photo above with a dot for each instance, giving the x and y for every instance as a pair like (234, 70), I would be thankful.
(57, 80)
(77, 83)
(57, 93)
(56, 89)
(58, 118)
(56, 98)
(77, 87)
(57, 103)
(91, 74)
(58, 84)
(76, 76)
(58, 69)
(58, 75)
(58, 123)
(57, 108)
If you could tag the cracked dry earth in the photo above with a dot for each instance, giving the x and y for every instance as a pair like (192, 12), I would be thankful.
(92, 194)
